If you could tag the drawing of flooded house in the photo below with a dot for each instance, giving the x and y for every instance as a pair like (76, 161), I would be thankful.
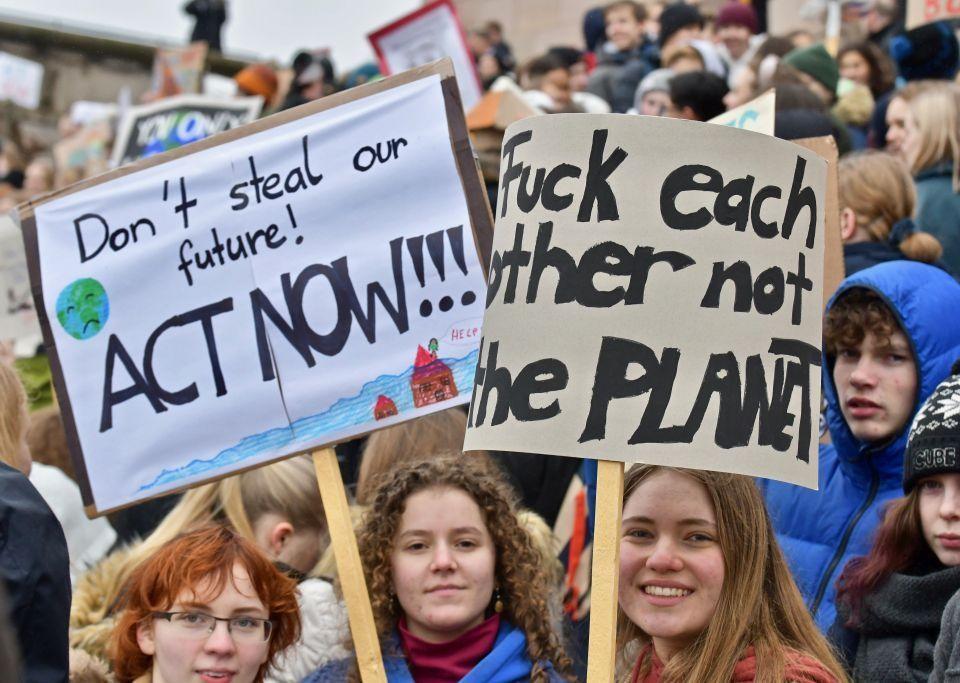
(385, 408)
(432, 380)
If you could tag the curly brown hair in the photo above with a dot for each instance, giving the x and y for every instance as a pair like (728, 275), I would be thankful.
(519, 572)
(855, 313)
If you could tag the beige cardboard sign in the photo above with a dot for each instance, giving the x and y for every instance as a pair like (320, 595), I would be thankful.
(655, 295)
(921, 12)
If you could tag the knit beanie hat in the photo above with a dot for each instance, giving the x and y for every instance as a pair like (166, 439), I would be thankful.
(677, 16)
(817, 63)
(737, 14)
(928, 51)
(658, 79)
(934, 443)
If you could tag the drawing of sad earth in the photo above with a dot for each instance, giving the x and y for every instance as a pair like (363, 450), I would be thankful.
(83, 308)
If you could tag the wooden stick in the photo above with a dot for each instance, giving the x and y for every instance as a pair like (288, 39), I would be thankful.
(349, 569)
(606, 572)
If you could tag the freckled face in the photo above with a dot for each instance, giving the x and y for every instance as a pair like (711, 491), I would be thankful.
(877, 386)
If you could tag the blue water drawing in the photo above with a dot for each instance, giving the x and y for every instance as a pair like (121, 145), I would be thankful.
(345, 413)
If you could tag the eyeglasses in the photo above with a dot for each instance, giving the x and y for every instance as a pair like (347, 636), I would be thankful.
(200, 625)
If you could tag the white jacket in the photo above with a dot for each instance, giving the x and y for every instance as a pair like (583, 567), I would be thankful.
(324, 633)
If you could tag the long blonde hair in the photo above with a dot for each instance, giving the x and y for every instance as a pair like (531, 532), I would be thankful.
(759, 604)
(934, 109)
(288, 487)
(13, 415)
(878, 189)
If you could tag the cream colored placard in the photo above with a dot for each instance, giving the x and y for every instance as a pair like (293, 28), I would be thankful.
(655, 295)
(757, 115)
(921, 12)
(833, 269)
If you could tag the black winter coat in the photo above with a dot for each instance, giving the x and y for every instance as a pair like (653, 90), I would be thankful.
(35, 569)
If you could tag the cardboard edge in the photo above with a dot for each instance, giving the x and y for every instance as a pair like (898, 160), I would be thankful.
(478, 207)
(31, 245)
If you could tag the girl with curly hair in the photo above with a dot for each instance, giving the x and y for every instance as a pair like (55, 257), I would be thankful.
(705, 594)
(458, 590)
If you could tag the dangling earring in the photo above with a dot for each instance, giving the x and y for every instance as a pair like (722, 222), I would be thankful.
(497, 601)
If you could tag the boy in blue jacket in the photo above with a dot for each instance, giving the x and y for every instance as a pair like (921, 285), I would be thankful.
(891, 333)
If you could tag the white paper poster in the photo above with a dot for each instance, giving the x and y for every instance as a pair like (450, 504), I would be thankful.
(289, 288)
(20, 80)
(430, 33)
(18, 319)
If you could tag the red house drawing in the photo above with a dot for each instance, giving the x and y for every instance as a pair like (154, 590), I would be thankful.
(384, 408)
(432, 380)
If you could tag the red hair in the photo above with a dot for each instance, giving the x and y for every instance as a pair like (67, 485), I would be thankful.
(207, 554)
(899, 544)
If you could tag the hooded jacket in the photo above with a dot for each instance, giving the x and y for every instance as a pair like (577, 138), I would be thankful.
(819, 531)
(507, 662)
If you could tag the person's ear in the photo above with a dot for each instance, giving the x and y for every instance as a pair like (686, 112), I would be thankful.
(848, 224)
(279, 535)
(145, 638)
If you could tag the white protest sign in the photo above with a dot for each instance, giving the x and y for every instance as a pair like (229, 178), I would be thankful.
(293, 286)
(921, 12)
(18, 320)
(757, 115)
(20, 80)
(176, 121)
(654, 295)
(429, 33)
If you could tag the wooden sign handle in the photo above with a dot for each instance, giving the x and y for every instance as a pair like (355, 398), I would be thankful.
(602, 651)
(354, 587)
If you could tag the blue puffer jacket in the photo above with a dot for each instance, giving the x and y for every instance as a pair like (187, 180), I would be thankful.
(507, 662)
(819, 531)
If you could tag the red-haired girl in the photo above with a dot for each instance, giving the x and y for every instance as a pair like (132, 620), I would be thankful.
(890, 603)
(206, 607)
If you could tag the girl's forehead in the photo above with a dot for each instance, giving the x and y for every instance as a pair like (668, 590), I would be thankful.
(235, 587)
(441, 507)
(667, 495)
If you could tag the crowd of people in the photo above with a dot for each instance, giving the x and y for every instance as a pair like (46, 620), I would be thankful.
(477, 564)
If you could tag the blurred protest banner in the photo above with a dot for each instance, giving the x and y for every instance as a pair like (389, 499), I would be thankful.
(176, 121)
(18, 319)
(178, 70)
(429, 33)
(757, 115)
(84, 153)
(20, 80)
(925, 11)
(654, 296)
(291, 284)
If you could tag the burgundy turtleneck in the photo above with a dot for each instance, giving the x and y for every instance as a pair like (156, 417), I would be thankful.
(447, 662)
